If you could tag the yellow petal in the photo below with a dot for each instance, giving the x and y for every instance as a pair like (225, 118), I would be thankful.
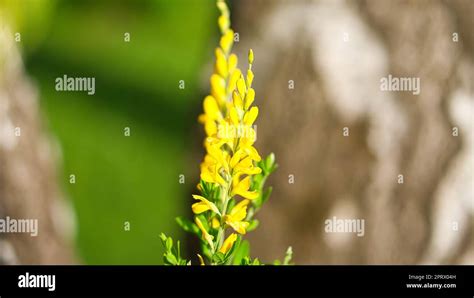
(210, 127)
(237, 100)
(249, 77)
(221, 63)
(253, 153)
(204, 204)
(236, 75)
(207, 175)
(199, 208)
(201, 260)
(242, 189)
(216, 153)
(251, 195)
(250, 56)
(239, 212)
(218, 88)
(228, 243)
(250, 117)
(215, 223)
(224, 23)
(232, 63)
(227, 40)
(239, 226)
(243, 164)
(249, 98)
(234, 116)
(241, 87)
(235, 159)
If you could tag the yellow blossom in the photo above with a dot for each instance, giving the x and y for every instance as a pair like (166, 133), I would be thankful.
(236, 217)
(204, 205)
(227, 245)
(230, 160)
(241, 187)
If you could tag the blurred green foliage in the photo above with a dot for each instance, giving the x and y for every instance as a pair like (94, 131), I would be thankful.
(120, 178)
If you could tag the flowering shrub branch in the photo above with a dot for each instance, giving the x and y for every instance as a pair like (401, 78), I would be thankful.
(233, 174)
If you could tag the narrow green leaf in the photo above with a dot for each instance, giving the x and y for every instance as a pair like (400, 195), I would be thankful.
(242, 251)
(187, 225)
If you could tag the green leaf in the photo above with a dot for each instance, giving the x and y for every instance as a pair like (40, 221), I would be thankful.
(187, 225)
(231, 204)
(270, 164)
(245, 261)
(169, 244)
(288, 256)
(177, 249)
(170, 259)
(241, 252)
(253, 225)
(266, 194)
(218, 258)
(163, 238)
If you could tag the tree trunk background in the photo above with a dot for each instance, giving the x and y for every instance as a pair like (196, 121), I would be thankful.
(428, 218)
(28, 182)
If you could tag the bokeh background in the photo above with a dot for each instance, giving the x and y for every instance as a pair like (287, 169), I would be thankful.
(334, 52)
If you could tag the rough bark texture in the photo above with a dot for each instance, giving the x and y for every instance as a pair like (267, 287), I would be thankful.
(28, 188)
(336, 52)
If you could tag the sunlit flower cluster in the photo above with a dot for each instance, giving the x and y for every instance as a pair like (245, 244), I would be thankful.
(233, 175)
(230, 155)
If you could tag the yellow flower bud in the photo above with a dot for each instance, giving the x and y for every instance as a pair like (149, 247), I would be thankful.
(250, 56)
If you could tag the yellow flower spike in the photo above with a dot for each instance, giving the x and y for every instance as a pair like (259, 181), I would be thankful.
(232, 63)
(249, 98)
(230, 163)
(203, 205)
(242, 189)
(236, 217)
(205, 234)
(201, 260)
(241, 86)
(251, 116)
(228, 243)
(227, 40)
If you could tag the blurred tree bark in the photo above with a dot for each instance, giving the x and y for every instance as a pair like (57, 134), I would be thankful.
(335, 53)
(28, 187)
